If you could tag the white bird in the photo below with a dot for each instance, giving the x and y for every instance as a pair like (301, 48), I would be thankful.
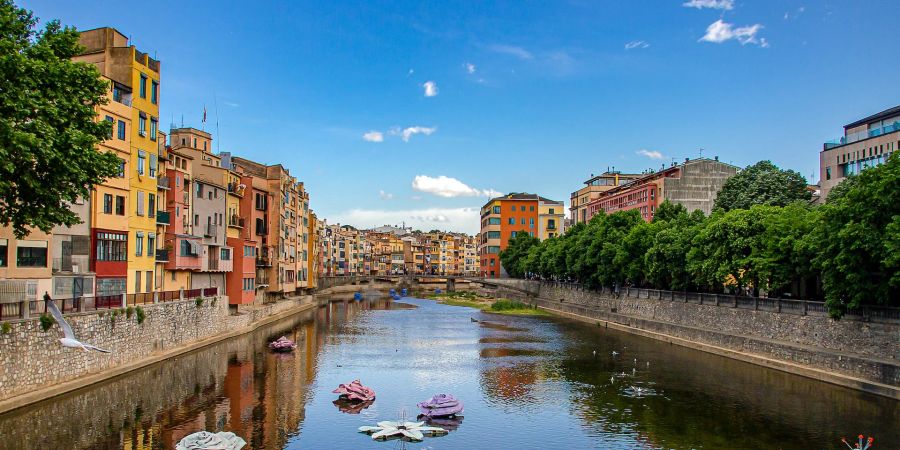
(612, 380)
(614, 353)
(68, 339)
(635, 360)
(595, 352)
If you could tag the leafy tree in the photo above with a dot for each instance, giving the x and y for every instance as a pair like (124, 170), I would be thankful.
(666, 259)
(516, 250)
(858, 241)
(723, 250)
(48, 131)
(762, 184)
(606, 243)
(785, 253)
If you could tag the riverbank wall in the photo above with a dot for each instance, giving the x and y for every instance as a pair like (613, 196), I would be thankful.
(34, 366)
(857, 354)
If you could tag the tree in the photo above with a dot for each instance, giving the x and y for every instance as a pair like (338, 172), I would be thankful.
(516, 250)
(48, 131)
(666, 259)
(762, 184)
(858, 241)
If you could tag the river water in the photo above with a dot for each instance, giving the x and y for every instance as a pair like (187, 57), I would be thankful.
(526, 382)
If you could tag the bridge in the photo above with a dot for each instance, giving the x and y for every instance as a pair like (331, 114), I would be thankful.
(407, 281)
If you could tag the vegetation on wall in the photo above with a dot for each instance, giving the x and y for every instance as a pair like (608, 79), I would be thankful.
(846, 251)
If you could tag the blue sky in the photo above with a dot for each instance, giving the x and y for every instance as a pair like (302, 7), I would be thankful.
(470, 99)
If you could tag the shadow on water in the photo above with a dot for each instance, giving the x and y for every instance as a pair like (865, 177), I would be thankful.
(526, 383)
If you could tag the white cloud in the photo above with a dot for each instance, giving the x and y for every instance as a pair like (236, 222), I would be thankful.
(712, 4)
(450, 219)
(800, 11)
(410, 72)
(636, 44)
(720, 31)
(385, 195)
(431, 88)
(518, 52)
(374, 136)
(469, 67)
(407, 133)
(444, 186)
(652, 154)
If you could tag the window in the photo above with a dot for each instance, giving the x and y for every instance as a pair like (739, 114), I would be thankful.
(154, 92)
(828, 173)
(493, 249)
(225, 254)
(137, 281)
(112, 122)
(140, 203)
(552, 211)
(514, 233)
(513, 208)
(531, 222)
(496, 210)
(151, 244)
(512, 220)
(195, 142)
(111, 286)
(111, 247)
(142, 124)
(107, 203)
(4, 252)
(531, 208)
(204, 145)
(121, 168)
(154, 125)
(153, 163)
(143, 86)
(494, 221)
(151, 205)
(142, 162)
(120, 205)
(199, 190)
(149, 279)
(139, 243)
(551, 224)
(31, 253)
(121, 130)
(522, 221)
(189, 248)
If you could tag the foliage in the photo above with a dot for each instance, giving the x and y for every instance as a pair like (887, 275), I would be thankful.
(762, 184)
(48, 132)
(199, 301)
(141, 315)
(859, 240)
(129, 312)
(5, 328)
(46, 322)
(515, 251)
(507, 305)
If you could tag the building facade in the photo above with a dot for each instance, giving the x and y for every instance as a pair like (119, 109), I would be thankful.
(502, 218)
(579, 200)
(866, 143)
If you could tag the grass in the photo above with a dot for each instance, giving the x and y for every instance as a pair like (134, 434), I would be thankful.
(498, 306)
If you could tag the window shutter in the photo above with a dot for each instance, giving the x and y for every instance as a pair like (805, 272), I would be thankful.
(140, 203)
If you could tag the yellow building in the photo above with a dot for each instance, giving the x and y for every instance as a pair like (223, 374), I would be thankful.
(550, 218)
(136, 84)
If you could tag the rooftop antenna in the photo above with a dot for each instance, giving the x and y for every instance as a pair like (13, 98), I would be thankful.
(216, 107)
(701, 152)
(182, 120)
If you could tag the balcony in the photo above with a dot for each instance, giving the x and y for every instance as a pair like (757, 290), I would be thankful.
(856, 137)
(236, 189)
(236, 221)
(162, 183)
(71, 263)
(162, 255)
(122, 97)
(162, 218)
(264, 258)
(211, 230)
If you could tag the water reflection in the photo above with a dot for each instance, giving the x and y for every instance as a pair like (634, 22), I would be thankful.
(520, 374)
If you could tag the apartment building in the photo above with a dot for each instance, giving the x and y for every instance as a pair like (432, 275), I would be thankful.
(183, 248)
(593, 186)
(693, 184)
(502, 218)
(866, 143)
(135, 80)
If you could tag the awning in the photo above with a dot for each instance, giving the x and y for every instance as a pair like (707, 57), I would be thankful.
(195, 247)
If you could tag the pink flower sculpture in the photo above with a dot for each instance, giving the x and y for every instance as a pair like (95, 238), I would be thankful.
(355, 391)
(441, 405)
(283, 344)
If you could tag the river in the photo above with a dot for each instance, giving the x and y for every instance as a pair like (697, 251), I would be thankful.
(527, 382)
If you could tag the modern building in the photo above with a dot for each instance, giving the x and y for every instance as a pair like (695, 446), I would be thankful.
(502, 218)
(578, 209)
(866, 143)
(693, 184)
(135, 80)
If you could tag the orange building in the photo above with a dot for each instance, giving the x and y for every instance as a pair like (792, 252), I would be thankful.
(505, 217)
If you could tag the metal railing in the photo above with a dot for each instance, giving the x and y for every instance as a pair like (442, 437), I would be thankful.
(163, 183)
(236, 221)
(868, 313)
(71, 263)
(211, 230)
(861, 135)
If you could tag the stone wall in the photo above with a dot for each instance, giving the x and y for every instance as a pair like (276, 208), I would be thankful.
(32, 359)
(854, 348)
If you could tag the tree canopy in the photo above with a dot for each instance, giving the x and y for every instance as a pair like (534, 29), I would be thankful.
(762, 184)
(48, 127)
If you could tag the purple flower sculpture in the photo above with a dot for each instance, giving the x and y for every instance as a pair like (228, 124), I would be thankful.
(283, 345)
(441, 405)
(355, 392)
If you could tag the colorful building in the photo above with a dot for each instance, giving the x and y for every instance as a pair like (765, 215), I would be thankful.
(502, 218)
(578, 202)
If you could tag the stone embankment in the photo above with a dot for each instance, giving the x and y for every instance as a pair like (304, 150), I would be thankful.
(858, 354)
(34, 366)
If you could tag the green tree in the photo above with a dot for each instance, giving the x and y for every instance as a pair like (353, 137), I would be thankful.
(666, 259)
(858, 241)
(48, 131)
(783, 256)
(762, 184)
(516, 250)
(723, 250)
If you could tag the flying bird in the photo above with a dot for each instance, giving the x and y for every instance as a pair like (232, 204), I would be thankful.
(68, 339)
(614, 353)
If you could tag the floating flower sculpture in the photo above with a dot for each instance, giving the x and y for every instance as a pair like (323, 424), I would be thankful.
(282, 345)
(355, 391)
(351, 407)
(861, 444)
(414, 431)
(204, 440)
(440, 405)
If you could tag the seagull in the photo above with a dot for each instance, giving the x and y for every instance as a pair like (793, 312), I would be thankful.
(595, 352)
(69, 336)
(635, 360)
(614, 353)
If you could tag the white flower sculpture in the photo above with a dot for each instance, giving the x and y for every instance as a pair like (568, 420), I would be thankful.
(415, 431)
